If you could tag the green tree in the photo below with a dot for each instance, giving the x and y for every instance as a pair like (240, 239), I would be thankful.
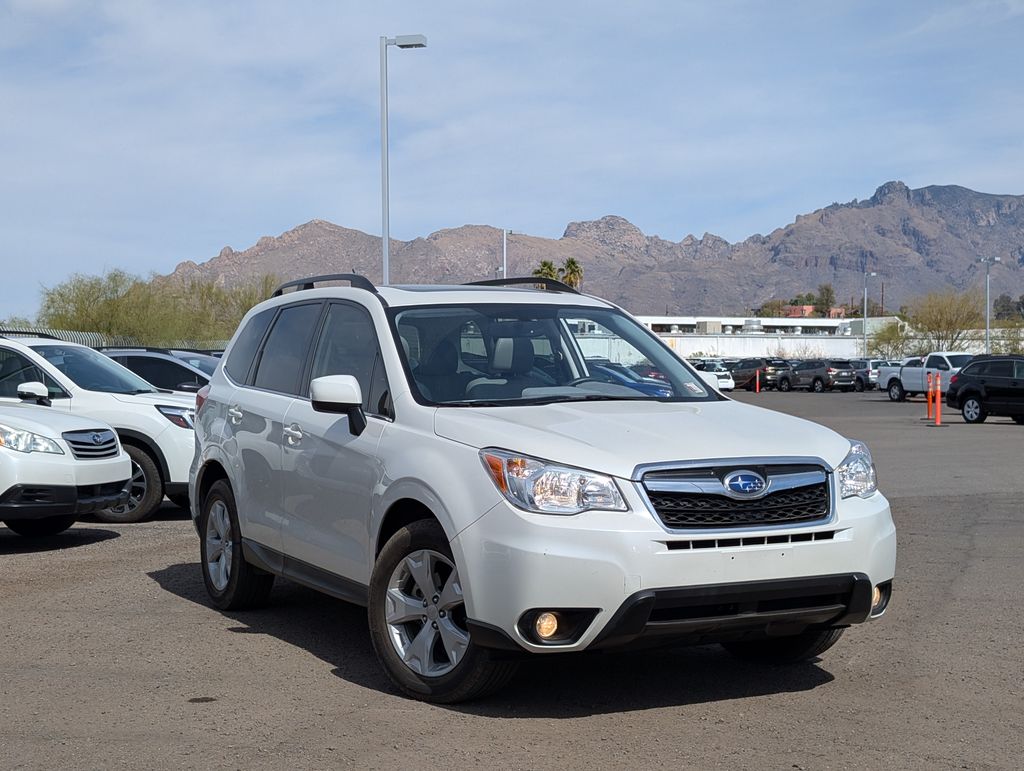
(772, 309)
(1005, 308)
(13, 322)
(947, 321)
(891, 342)
(546, 269)
(571, 273)
(824, 300)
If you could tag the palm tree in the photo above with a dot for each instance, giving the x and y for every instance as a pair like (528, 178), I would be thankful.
(547, 269)
(572, 273)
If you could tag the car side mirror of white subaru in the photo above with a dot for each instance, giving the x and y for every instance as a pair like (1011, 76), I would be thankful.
(34, 391)
(709, 378)
(339, 394)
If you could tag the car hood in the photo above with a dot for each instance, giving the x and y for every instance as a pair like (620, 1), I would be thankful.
(173, 400)
(45, 421)
(616, 437)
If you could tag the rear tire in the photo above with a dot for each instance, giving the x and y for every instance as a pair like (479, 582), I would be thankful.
(430, 658)
(859, 386)
(146, 490)
(973, 410)
(786, 650)
(41, 528)
(818, 386)
(896, 392)
(1019, 420)
(231, 582)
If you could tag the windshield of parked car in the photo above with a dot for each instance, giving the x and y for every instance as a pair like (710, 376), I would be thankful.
(510, 354)
(958, 360)
(93, 371)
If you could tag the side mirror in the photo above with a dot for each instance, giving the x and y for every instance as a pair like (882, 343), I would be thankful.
(710, 379)
(339, 394)
(34, 391)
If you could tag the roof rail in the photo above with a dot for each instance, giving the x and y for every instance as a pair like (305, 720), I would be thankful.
(552, 284)
(146, 348)
(357, 281)
(19, 333)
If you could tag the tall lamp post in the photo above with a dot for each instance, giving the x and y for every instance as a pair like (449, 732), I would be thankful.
(988, 300)
(864, 319)
(401, 41)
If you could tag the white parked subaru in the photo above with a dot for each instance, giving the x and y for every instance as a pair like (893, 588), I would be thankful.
(55, 467)
(442, 455)
(154, 426)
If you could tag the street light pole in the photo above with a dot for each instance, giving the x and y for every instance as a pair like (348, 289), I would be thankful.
(504, 253)
(401, 41)
(864, 318)
(988, 300)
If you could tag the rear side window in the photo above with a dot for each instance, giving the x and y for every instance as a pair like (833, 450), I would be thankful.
(1018, 370)
(998, 369)
(240, 360)
(284, 355)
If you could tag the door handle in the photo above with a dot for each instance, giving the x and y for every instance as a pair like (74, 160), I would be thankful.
(235, 414)
(292, 434)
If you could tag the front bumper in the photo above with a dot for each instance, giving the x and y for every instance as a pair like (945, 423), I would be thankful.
(623, 569)
(42, 501)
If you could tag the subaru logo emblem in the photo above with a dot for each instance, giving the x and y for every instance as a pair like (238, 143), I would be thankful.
(745, 483)
(97, 438)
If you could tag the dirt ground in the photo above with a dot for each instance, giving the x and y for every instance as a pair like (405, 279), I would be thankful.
(110, 656)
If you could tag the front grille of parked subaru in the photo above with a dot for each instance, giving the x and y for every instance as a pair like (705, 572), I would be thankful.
(698, 498)
(92, 445)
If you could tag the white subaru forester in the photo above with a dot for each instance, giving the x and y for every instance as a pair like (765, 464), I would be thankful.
(452, 458)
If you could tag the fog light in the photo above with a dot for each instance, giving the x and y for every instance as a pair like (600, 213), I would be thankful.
(546, 625)
(876, 598)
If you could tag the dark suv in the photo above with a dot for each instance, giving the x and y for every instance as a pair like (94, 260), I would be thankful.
(819, 375)
(744, 372)
(989, 385)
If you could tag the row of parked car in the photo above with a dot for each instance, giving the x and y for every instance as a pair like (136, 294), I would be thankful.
(90, 436)
(816, 375)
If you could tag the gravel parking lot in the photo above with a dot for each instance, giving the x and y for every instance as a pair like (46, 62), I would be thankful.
(112, 658)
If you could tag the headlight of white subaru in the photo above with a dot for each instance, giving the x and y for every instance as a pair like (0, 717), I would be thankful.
(26, 441)
(548, 488)
(856, 474)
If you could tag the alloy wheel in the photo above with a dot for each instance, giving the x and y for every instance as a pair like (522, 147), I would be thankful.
(219, 546)
(972, 410)
(137, 487)
(425, 613)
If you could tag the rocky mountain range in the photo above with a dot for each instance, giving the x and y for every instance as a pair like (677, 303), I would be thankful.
(916, 240)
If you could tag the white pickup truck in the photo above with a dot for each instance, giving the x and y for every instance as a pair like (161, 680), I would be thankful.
(911, 377)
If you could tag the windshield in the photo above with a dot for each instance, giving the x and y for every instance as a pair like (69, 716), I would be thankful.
(499, 355)
(93, 371)
(959, 360)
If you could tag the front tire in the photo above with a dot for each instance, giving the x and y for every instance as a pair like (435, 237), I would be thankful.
(859, 386)
(231, 582)
(145, 492)
(41, 528)
(417, 619)
(973, 410)
(785, 650)
(784, 385)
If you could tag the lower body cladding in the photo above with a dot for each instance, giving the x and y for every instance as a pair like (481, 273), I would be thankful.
(614, 579)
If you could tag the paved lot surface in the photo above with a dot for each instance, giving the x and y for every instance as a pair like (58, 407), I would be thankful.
(110, 658)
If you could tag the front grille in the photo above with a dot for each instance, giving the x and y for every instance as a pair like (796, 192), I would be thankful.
(681, 510)
(92, 445)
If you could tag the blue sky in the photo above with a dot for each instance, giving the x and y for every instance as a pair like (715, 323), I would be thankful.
(139, 134)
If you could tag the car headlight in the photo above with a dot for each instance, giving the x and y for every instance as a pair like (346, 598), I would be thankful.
(183, 417)
(26, 441)
(856, 474)
(548, 488)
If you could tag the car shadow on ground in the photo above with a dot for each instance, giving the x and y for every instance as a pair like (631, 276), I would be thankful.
(12, 543)
(552, 686)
